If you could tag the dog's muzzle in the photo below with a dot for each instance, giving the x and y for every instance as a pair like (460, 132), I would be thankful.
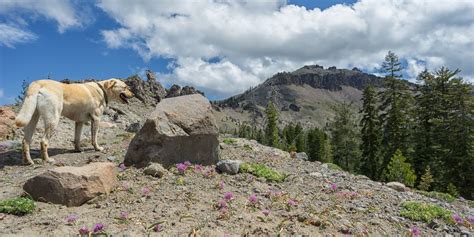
(124, 97)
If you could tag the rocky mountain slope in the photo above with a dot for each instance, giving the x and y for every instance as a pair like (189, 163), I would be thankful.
(305, 95)
(313, 199)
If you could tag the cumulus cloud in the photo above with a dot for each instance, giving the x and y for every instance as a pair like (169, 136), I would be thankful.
(255, 39)
(11, 35)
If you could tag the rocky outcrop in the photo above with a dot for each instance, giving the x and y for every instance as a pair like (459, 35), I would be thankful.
(180, 129)
(176, 90)
(7, 123)
(72, 186)
(149, 91)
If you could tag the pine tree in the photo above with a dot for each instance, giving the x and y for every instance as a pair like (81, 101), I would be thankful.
(444, 130)
(271, 130)
(345, 138)
(370, 133)
(400, 170)
(316, 144)
(396, 105)
(24, 88)
(426, 180)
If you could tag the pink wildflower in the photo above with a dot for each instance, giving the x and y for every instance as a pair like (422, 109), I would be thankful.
(222, 204)
(221, 184)
(333, 186)
(253, 199)
(458, 219)
(71, 219)
(98, 227)
(158, 228)
(84, 230)
(145, 192)
(228, 196)
(415, 232)
(123, 215)
(198, 168)
(187, 163)
(122, 167)
(266, 212)
(291, 202)
(470, 218)
(181, 167)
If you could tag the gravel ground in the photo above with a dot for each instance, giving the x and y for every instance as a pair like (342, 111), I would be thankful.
(183, 204)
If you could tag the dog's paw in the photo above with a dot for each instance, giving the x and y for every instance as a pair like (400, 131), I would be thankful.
(28, 162)
(49, 161)
(78, 150)
(99, 148)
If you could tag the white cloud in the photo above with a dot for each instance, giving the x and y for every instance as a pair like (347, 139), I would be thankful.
(17, 14)
(11, 35)
(61, 11)
(255, 40)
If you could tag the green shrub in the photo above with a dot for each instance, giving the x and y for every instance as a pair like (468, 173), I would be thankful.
(261, 170)
(229, 141)
(420, 211)
(440, 196)
(248, 147)
(333, 166)
(399, 170)
(451, 189)
(426, 180)
(17, 206)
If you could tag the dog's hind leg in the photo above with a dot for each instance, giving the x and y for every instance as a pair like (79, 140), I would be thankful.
(29, 131)
(77, 136)
(94, 130)
(50, 108)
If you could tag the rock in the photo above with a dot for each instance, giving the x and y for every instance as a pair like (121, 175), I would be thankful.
(133, 127)
(9, 145)
(397, 186)
(316, 174)
(111, 158)
(72, 186)
(302, 155)
(180, 129)
(155, 170)
(7, 123)
(229, 166)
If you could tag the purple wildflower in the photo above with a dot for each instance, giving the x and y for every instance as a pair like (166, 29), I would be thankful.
(122, 167)
(470, 218)
(181, 167)
(266, 212)
(228, 196)
(158, 228)
(458, 219)
(187, 163)
(221, 204)
(71, 219)
(84, 230)
(333, 186)
(415, 231)
(98, 227)
(123, 215)
(145, 192)
(253, 199)
(291, 202)
(221, 184)
(198, 168)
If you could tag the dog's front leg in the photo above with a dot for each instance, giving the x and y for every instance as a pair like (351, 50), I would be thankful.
(77, 136)
(94, 130)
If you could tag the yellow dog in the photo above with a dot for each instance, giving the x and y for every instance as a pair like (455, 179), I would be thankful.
(48, 99)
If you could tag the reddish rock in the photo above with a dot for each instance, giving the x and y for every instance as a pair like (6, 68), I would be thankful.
(73, 186)
(7, 123)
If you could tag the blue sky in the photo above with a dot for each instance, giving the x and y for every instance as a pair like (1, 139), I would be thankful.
(103, 39)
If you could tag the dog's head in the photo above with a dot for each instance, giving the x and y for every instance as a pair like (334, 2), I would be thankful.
(118, 90)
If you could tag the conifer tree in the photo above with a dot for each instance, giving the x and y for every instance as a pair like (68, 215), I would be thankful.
(345, 138)
(400, 170)
(271, 130)
(316, 144)
(426, 180)
(396, 105)
(370, 134)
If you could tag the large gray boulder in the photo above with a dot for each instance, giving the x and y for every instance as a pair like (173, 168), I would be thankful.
(73, 186)
(180, 129)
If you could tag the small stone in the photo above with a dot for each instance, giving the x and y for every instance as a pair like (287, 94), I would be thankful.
(302, 156)
(133, 127)
(229, 166)
(155, 170)
(316, 174)
(397, 186)
(111, 158)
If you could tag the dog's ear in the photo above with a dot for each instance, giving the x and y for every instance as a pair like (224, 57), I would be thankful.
(110, 84)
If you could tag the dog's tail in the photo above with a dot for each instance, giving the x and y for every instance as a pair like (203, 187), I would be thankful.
(29, 106)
